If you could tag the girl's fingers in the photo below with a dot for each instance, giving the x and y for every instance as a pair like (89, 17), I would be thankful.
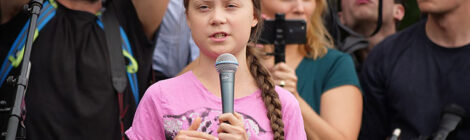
(230, 117)
(232, 129)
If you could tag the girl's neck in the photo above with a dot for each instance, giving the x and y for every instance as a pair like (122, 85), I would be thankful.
(205, 71)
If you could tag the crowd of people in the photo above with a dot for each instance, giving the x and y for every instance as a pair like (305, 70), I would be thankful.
(372, 83)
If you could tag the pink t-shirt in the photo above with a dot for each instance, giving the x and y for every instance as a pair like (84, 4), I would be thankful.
(171, 105)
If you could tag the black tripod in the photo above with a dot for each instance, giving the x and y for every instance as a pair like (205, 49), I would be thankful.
(22, 82)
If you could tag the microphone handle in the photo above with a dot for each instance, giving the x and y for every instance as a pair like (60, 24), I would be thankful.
(227, 80)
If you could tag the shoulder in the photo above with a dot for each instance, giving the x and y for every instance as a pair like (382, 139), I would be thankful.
(334, 60)
(291, 115)
(288, 100)
(339, 71)
(382, 59)
(331, 58)
(387, 52)
(181, 80)
(400, 41)
(169, 88)
(334, 54)
(334, 66)
(337, 58)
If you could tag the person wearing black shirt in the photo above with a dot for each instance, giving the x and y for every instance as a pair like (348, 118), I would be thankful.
(70, 93)
(411, 76)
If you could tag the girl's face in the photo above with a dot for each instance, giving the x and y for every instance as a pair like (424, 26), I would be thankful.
(293, 9)
(221, 26)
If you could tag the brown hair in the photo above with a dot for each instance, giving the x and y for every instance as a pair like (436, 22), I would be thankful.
(263, 77)
(318, 38)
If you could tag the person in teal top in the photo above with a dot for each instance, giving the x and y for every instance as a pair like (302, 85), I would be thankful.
(322, 79)
(315, 77)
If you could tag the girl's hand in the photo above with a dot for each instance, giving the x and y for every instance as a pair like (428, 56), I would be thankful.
(233, 131)
(193, 134)
(285, 77)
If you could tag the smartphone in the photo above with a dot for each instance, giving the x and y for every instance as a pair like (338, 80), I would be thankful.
(288, 31)
(281, 32)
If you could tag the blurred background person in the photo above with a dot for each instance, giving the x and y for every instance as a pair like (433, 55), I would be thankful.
(174, 47)
(322, 79)
(410, 77)
(361, 16)
(70, 93)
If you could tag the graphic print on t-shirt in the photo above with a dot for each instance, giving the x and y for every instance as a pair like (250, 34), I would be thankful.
(210, 122)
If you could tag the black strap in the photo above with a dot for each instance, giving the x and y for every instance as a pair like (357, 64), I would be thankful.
(113, 40)
(118, 71)
(379, 19)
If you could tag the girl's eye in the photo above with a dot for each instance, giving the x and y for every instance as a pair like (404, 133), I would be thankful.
(203, 7)
(231, 6)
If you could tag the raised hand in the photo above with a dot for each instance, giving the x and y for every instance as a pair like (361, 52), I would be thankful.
(285, 77)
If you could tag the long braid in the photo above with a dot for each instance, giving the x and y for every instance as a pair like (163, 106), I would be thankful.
(270, 97)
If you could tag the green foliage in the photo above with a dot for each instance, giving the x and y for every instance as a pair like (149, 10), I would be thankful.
(412, 14)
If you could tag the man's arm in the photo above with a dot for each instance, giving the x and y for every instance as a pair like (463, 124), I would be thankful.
(375, 119)
(150, 13)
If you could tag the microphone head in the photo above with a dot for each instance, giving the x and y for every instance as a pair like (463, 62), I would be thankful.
(226, 62)
(455, 109)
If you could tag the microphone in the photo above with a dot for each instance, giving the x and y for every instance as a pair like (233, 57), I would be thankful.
(452, 115)
(396, 134)
(226, 64)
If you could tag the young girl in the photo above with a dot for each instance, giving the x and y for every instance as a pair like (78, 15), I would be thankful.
(322, 79)
(189, 106)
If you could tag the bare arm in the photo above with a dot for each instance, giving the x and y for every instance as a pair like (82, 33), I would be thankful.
(150, 13)
(341, 112)
(340, 108)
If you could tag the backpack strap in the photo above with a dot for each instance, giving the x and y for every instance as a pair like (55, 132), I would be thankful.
(117, 65)
(111, 28)
(15, 55)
